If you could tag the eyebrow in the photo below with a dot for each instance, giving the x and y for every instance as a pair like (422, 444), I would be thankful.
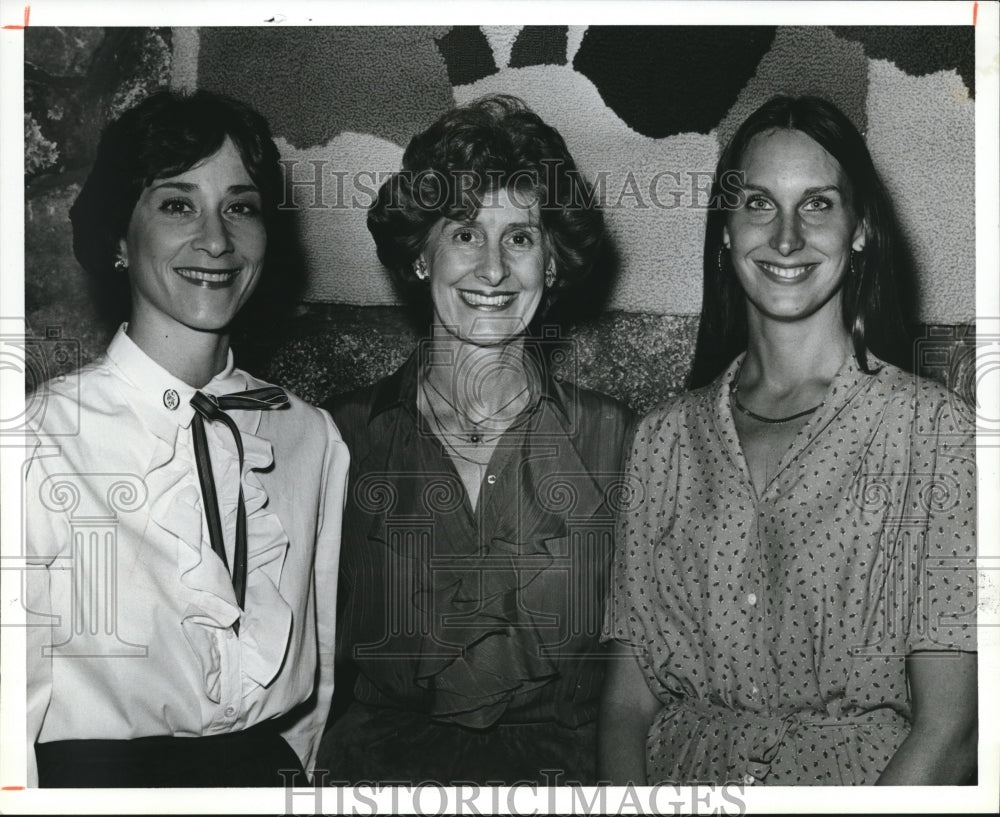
(187, 187)
(519, 225)
(809, 191)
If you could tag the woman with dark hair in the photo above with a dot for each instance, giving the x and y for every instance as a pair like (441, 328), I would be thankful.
(794, 598)
(182, 515)
(871, 281)
(477, 536)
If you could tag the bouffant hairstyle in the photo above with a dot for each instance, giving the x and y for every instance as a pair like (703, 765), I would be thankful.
(495, 143)
(164, 135)
(870, 292)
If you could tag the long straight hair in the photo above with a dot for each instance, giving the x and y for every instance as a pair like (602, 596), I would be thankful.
(870, 291)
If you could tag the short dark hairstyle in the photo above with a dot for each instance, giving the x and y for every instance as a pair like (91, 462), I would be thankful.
(165, 134)
(870, 292)
(494, 143)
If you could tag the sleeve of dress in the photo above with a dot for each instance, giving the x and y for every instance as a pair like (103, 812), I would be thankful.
(42, 544)
(942, 564)
(305, 735)
(631, 614)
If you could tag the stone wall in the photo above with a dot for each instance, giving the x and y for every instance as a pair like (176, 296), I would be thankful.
(331, 349)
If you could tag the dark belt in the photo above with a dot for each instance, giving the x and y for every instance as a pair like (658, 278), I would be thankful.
(251, 757)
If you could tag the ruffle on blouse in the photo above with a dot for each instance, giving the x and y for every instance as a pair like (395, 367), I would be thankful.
(265, 625)
(502, 651)
(365, 744)
(486, 650)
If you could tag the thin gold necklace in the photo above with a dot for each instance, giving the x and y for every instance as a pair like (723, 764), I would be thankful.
(734, 388)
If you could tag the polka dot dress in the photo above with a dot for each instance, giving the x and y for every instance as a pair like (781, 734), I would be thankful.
(774, 628)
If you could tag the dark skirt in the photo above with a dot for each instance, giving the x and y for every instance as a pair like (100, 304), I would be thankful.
(253, 757)
(381, 745)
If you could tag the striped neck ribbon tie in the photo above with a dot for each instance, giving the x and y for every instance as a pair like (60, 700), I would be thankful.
(212, 408)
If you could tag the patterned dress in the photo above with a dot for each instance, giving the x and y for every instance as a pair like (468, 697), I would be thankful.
(774, 628)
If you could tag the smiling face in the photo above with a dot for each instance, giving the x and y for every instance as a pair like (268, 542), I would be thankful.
(487, 275)
(195, 247)
(790, 243)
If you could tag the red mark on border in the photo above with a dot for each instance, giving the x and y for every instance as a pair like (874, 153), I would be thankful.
(13, 788)
(27, 14)
(975, 12)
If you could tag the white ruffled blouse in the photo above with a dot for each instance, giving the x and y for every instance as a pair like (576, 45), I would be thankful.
(130, 610)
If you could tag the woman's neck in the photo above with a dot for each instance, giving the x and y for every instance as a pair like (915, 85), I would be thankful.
(480, 382)
(190, 355)
(783, 356)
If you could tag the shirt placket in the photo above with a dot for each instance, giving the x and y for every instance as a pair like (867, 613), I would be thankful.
(495, 483)
(753, 603)
(227, 477)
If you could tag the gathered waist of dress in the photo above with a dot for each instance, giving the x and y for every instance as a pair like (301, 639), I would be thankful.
(542, 709)
(694, 739)
(828, 718)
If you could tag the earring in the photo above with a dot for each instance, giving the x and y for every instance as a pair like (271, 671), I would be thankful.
(550, 275)
(420, 269)
(850, 263)
(722, 248)
(120, 265)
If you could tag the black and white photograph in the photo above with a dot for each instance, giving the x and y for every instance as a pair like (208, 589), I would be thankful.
(409, 411)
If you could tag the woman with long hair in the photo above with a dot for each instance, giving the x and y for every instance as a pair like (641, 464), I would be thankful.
(794, 596)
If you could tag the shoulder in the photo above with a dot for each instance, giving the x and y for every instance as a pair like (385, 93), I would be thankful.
(925, 405)
(58, 405)
(300, 421)
(595, 420)
(595, 404)
(679, 413)
(353, 411)
(898, 384)
(352, 408)
(81, 421)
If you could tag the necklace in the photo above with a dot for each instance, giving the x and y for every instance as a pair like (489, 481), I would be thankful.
(734, 388)
(475, 435)
(476, 454)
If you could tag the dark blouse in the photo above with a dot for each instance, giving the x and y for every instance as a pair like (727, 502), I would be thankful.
(478, 618)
